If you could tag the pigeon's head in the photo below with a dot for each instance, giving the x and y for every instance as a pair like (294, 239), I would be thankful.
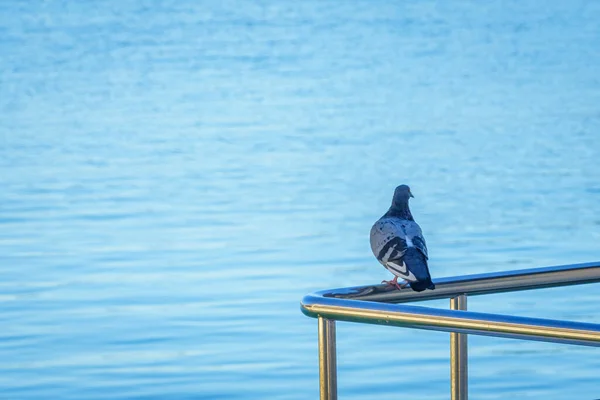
(402, 194)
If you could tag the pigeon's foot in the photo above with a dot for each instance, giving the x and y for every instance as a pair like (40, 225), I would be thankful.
(394, 282)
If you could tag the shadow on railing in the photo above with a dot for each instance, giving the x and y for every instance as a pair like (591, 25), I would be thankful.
(375, 305)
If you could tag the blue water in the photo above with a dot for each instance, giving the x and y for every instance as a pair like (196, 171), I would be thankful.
(175, 176)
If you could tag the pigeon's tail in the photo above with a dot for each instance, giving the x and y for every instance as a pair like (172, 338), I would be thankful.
(417, 264)
(419, 286)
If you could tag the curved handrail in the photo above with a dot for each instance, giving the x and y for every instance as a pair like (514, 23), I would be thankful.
(371, 304)
(472, 285)
(507, 326)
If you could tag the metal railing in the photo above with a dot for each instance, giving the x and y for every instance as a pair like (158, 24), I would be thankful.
(377, 305)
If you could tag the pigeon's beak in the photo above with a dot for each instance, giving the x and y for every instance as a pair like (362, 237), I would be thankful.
(410, 194)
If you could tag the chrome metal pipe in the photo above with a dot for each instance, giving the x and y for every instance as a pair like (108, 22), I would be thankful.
(371, 304)
(459, 361)
(428, 318)
(327, 360)
(473, 285)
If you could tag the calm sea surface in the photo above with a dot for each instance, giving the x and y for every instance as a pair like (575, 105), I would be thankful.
(176, 175)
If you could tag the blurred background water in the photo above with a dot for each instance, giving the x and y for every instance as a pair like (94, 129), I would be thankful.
(176, 175)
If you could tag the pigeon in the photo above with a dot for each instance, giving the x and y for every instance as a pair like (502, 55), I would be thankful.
(398, 244)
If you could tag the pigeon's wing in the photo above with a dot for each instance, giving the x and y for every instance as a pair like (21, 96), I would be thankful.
(416, 257)
(389, 244)
(414, 233)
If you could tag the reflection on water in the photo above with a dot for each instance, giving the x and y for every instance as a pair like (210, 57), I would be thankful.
(176, 176)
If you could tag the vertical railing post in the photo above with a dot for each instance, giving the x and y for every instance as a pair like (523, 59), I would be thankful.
(458, 356)
(327, 359)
